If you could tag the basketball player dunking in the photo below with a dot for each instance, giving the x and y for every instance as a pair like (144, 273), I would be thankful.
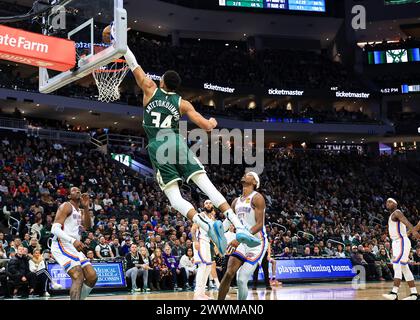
(401, 246)
(66, 247)
(250, 208)
(163, 108)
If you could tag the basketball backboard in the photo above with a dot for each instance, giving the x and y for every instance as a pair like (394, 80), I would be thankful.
(83, 21)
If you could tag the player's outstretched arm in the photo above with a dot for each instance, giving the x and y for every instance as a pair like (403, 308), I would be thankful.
(143, 81)
(188, 109)
(259, 208)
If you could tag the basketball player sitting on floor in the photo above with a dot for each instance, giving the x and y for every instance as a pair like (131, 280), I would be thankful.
(250, 208)
(401, 246)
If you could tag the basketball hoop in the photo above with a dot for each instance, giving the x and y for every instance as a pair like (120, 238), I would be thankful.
(108, 79)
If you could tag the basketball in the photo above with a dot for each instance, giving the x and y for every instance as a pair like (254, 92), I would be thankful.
(106, 34)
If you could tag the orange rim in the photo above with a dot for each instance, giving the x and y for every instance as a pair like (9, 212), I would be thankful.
(113, 70)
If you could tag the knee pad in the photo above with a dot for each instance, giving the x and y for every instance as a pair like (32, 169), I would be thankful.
(397, 271)
(177, 201)
(204, 183)
(408, 275)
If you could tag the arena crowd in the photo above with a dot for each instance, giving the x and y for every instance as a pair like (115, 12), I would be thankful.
(318, 205)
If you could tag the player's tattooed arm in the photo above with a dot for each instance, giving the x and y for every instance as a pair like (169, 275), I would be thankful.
(259, 208)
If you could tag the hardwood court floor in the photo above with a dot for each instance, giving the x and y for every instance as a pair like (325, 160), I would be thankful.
(317, 291)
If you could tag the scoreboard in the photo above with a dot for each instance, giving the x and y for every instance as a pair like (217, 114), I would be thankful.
(297, 5)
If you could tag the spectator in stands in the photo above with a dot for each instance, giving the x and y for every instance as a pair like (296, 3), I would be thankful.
(115, 247)
(4, 241)
(178, 274)
(357, 257)
(40, 276)
(328, 250)
(177, 249)
(307, 251)
(103, 250)
(125, 246)
(145, 268)
(187, 263)
(162, 276)
(317, 251)
(37, 227)
(33, 245)
(340, 253)
(4, 287)
(19, 273)
(374, 270)
(286, 253)
(133, 262)
(3, 254)
(415, 264)
(90, 255)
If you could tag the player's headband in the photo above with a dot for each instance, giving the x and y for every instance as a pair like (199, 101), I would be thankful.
(207, 202)
(256, 177)
(392, 200)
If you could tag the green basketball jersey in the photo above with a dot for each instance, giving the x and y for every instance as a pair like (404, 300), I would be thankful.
(162, 112)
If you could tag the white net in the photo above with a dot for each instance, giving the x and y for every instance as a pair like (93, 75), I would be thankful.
(108, 79)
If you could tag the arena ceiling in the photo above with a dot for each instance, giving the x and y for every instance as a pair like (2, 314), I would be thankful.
(161, 18)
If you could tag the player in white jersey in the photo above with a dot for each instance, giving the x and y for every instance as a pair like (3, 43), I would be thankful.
(66, 246)
(250, 208)
(401, 246)
(202, 258)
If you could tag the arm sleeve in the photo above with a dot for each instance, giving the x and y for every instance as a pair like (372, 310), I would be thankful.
(131, 60)
(57, 231)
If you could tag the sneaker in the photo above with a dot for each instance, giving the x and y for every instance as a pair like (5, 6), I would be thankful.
(244, 236)
(146, 290)
(413, 296)
(56, 286)
(46, 295)
(136, 290)
(217, 234)
(391, 296)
